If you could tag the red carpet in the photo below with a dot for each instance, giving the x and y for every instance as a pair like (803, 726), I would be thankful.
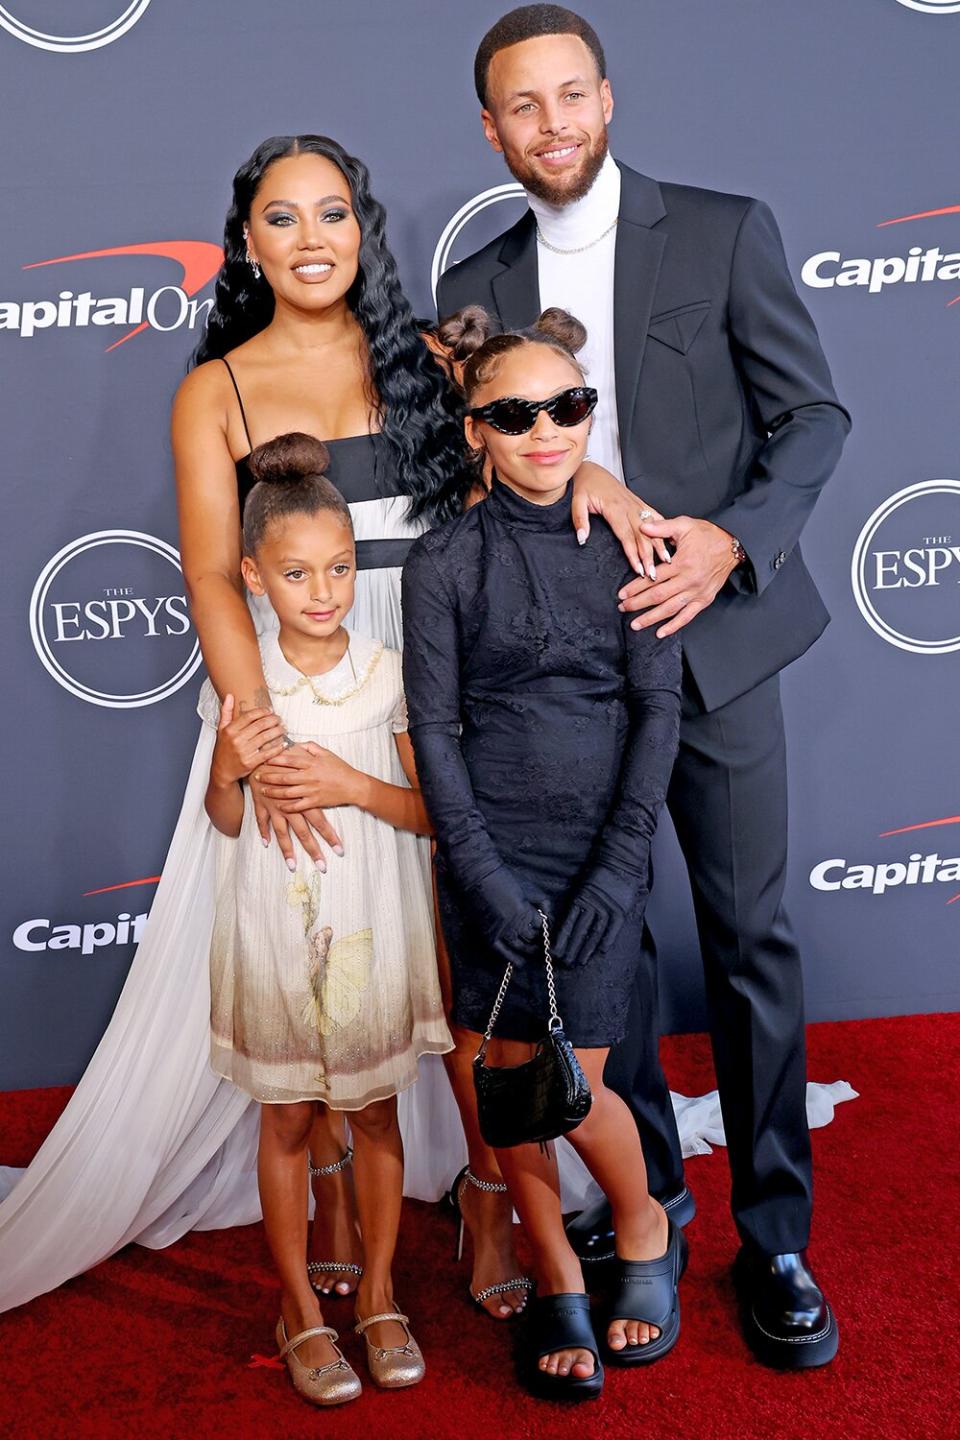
(159, 1343)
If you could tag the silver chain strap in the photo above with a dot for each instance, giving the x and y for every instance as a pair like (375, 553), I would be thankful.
(554, 1022)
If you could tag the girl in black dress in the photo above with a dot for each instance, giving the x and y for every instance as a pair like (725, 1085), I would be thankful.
(545, 730)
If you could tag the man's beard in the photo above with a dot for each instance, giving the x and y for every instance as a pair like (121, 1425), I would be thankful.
(554, 192)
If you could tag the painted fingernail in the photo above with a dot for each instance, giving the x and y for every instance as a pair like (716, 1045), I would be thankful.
(652, 571)
(321, 864)
(266, 842)
(291, 864)
(581, 537)
(338, 849)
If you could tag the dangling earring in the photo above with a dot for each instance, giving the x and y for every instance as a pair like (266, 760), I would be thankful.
(254, 266)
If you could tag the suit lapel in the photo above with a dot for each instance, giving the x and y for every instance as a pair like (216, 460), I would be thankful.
(639, 251)
(516, 290)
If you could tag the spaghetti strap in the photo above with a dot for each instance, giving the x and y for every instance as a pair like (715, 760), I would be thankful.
(243, 413)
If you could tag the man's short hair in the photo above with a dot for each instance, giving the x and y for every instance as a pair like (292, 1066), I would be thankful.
(528, 22)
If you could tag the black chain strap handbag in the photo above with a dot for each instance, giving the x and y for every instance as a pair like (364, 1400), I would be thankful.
(544, 1098)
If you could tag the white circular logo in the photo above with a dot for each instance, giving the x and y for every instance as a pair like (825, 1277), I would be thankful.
(906, 568)
(74, 43)
(933, 7)
(109, 619)
(474, 207)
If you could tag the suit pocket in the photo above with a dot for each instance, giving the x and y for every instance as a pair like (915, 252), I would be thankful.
(680, 326)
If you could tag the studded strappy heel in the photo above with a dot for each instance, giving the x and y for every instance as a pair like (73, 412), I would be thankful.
(489, 1187)
(332, 1267)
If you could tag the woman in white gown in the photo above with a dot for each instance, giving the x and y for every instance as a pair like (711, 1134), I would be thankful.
(317, 338)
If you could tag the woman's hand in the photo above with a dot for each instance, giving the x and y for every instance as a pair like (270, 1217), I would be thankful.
(305, 827)
(308, 777)
(597, 492)
(242, 742)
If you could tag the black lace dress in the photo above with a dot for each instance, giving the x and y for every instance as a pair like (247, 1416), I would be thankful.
(545, 730)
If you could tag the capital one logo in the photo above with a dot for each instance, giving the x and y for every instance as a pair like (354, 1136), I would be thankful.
(932, 7)
(475, 207)
(906, 568)
(109, 620)
(920, 265)
(115, 26)
(169, 307)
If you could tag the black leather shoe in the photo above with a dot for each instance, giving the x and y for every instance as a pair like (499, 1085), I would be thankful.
(591, 1232)
(786, 1320)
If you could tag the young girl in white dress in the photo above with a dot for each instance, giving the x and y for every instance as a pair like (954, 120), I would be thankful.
(324, 986)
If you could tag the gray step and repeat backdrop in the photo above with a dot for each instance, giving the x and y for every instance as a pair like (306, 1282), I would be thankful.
(123, 125)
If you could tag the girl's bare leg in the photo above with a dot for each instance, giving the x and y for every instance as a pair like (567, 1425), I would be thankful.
(282, 1177)
(378, 1161)
(608, 1144)
(333, 1234)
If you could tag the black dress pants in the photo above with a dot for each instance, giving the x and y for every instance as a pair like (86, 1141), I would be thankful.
(728, 802)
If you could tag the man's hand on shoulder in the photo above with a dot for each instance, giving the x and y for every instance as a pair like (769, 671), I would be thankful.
(704, 559)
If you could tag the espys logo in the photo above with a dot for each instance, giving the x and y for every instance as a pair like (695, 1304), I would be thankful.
(86, 935)
(116, 26)
(921, 264)
(906, 568)
(458, 223)
(932, 7)
(170, 307)
(879, 876)
(109, 619)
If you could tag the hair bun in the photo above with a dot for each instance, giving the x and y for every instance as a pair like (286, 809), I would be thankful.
(465, 331)
(561, 326)
(288, 459)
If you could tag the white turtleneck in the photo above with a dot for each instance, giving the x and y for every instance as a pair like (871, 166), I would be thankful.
(582, 282)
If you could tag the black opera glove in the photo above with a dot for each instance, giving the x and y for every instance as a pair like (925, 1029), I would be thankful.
(597, 911)
(510, 921)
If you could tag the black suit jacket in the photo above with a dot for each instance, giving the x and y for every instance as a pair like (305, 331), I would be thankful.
(724, 398)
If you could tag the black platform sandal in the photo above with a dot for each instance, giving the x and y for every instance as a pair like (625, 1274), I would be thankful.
(646, 1290)
(562, 1322)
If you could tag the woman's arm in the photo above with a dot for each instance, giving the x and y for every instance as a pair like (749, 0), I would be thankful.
(311, 775)
(431, 682)
(209, 512)
(241, 744)
(618, 877)
(597, 492)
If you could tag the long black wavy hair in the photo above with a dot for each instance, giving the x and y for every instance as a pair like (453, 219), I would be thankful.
(420, 414)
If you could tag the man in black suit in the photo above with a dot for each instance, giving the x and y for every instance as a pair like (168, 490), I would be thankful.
(717, 408)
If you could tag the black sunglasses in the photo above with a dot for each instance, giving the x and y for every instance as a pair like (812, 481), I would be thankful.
(513, 416)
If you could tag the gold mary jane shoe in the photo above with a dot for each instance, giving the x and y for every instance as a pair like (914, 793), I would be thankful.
(332, 1384)
(398, 1366)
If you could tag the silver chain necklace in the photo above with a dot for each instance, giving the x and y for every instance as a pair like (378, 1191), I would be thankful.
(576, 249)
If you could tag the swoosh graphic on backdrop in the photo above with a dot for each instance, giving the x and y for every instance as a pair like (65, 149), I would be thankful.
(198, 259)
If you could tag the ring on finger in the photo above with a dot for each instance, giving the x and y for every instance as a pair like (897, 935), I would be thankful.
(645, 514)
